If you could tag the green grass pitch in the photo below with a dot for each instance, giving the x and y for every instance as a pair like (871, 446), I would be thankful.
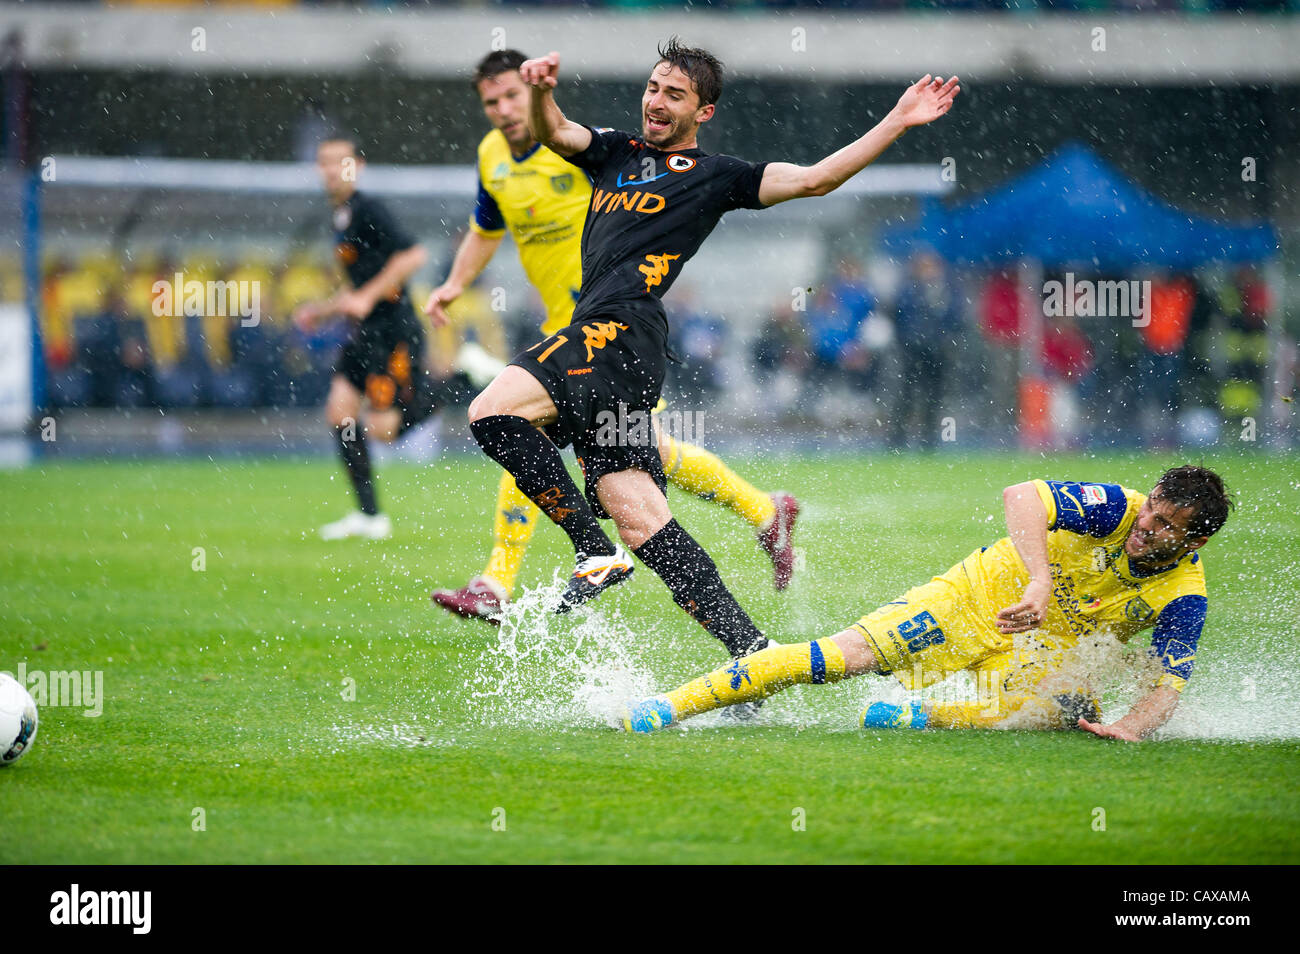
(296, 701)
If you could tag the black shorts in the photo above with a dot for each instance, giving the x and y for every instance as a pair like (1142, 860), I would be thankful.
(384, 360)
(604, 375)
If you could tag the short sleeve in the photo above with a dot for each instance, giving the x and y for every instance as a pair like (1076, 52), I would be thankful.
(604, 145)
(1176, 636)
(379, 230)
(1095, 510)
(487, 218)
(742, 181)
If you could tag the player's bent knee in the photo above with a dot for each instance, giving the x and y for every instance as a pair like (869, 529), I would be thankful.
(636, 504)
(384, 426)
(858, 657)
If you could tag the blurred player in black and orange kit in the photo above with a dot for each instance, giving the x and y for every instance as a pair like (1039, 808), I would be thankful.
(383, 358)
(656, 196)
(542, 200)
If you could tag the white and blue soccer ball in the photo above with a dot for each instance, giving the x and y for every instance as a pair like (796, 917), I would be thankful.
(17, 720)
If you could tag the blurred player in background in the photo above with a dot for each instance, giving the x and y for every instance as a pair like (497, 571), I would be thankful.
(1080, 560)
(383, 358)
(542, 200)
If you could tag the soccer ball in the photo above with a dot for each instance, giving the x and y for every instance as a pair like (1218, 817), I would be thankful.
(17, 720)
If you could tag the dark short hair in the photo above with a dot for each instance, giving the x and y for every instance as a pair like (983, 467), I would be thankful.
(703, 68)
(1201, 489)
(343, 137)
(496, 63)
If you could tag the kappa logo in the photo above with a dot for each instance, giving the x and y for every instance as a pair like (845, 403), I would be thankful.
(551, 500)
(600, 334)
(680, 163)
(657, 269)
(1094, 494)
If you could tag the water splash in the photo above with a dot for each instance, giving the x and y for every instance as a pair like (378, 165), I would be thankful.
(545, 670)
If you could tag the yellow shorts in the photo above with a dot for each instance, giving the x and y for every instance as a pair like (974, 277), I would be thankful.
(931, 631)
(934, 631)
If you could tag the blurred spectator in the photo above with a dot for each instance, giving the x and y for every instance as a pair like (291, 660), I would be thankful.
(927, 324)
(1001, 322)
(782, 345)
(698, 339)
(1246, 304)
(1067, 361)
(834, 321)
(1161, 364)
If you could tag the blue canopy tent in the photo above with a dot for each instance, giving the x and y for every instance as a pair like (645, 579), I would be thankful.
(1074, 209)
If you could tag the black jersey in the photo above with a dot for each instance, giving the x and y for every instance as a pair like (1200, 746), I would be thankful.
(366, 236)
(650, 212)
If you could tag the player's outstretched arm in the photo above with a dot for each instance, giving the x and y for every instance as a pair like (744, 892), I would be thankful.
(1027, 528)
(923, 102)
(545, 121)
(471, 258)
(1148, 714)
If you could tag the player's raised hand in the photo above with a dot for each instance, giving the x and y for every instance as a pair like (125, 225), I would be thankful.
(1030, 612)
(542, 72)
(1108, 731)
(439, 299)
(926, 100)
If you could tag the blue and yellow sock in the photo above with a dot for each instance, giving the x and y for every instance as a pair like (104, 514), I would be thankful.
(758, 676)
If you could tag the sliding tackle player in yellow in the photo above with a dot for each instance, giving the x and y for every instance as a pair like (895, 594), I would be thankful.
(542, 200)
(1080, 560)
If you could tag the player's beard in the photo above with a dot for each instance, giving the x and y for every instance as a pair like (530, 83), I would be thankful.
(1153, 556)
(665, 138)
(522, 138)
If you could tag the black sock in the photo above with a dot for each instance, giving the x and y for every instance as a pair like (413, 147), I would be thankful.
(539, 472)
(697, 588)
(356, 458)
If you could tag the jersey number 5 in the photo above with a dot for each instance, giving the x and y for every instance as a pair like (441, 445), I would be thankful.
(921, 632)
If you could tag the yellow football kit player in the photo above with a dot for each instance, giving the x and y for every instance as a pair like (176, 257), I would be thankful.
(542, 201)
(952, 624)
(947, 625)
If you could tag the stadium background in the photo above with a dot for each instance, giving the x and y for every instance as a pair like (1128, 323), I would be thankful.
(272, 697)
(1179, 97)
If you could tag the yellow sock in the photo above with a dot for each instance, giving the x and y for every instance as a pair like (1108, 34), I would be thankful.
(705, 475)
(512, 528)
(759, 676)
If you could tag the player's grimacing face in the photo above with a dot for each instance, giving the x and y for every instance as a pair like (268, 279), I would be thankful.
(1160, 534)
(505, 103)
(670, 108)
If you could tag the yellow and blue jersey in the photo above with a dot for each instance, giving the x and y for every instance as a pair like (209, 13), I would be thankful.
(1096, 589)
(542, 200)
